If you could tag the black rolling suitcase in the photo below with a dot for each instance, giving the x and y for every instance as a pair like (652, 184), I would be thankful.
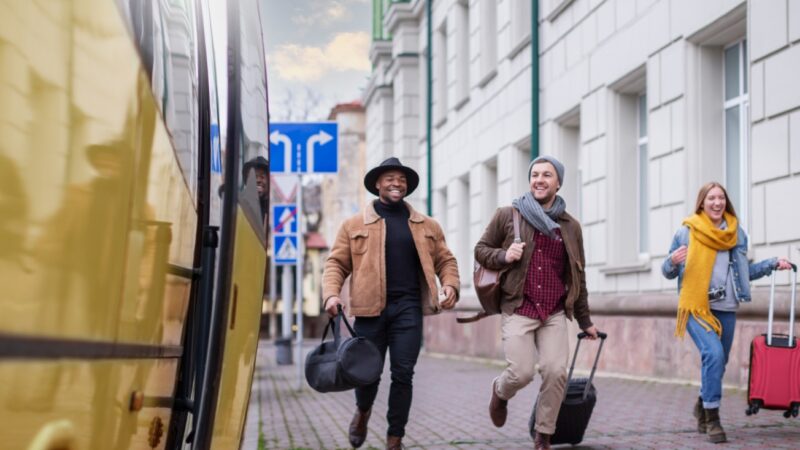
(579, 400)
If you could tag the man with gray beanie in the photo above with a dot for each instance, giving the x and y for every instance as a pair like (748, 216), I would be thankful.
(544, 285)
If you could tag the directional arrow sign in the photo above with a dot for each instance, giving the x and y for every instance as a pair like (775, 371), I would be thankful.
(282, 164)
(285, 248)
(285, 218)
(304, 147)
(321, 138)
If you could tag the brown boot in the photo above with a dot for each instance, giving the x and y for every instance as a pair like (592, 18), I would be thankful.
(358, 427)
(541, 441)
(713, 426)
(700, 415)
(394, 443)
(498, 408)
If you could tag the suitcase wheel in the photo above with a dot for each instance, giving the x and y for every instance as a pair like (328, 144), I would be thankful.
(753, 408)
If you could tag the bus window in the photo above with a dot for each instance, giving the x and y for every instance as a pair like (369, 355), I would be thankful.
(166, 37)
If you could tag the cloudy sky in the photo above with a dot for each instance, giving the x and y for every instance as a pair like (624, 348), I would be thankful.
(317, 55)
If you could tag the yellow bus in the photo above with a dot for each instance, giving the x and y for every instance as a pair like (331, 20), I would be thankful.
(132, 236)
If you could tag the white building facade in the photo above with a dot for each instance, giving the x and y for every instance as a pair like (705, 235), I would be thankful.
(643, 100)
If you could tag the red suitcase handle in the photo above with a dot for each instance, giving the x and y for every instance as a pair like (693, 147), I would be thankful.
(791, 308)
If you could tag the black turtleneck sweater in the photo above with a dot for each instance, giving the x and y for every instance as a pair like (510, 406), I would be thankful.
(402, 260)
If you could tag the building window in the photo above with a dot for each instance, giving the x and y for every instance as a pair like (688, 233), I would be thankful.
(735, 122)
(568, 145)
(440, 209)
(627, 207)
(461, 212)
(554, 8)
(378, 10)
(462, 53)
(488, 39)
(440, 67)
(643, 179)
(520, 25)
(423, 94)
(489, 191)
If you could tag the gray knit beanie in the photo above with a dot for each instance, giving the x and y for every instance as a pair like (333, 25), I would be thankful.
(552, 160)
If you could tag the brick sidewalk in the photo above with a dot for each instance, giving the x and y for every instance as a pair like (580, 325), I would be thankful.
(450, 411)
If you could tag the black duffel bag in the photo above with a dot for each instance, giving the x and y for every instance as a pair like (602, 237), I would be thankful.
(342, 364)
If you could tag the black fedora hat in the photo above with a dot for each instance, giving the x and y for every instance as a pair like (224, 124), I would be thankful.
(412, 179)
(258, 161)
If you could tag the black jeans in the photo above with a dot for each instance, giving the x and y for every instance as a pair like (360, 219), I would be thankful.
(398, 328)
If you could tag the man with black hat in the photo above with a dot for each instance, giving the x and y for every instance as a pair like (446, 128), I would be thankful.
(544, 285)
(393, 255)
(260, 167)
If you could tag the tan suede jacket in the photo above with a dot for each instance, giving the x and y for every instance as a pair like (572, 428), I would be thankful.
(360, 251)
(499, 235)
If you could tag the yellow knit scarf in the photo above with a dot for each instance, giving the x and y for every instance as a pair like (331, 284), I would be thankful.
(705, 240)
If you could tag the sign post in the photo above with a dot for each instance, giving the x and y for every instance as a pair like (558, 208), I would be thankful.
(299, 292)
(298, 148)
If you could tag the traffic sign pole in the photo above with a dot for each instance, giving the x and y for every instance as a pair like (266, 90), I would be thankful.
(299, 148)
(286, 290)
(273, 297)
(301, 244)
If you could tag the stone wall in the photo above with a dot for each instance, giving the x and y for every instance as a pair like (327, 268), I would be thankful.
(641, 340)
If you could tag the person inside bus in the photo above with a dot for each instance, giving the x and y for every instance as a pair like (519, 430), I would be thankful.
(260, 167)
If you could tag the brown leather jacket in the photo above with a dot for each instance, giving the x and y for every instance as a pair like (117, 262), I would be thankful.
(360, 251)
(499, 235)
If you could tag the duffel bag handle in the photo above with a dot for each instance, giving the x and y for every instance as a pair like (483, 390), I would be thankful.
(340, 316)
(333, 323)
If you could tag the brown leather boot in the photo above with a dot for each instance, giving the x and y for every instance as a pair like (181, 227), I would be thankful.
(541, 441)
(713, 426)
(498, 408)
(394, 443)
(700, 415)
(358, 427)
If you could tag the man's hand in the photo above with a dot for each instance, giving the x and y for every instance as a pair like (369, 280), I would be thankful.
(679, 255)
(592, 332)
(514, 252)
(783, 264)
(450, 297)
(331, 305)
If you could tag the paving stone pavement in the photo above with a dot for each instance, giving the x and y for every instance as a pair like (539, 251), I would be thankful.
(449, 411)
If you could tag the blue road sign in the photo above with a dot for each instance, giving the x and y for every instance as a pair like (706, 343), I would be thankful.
(284, 218)
(216, 154)
(285, 248)
(304, 147)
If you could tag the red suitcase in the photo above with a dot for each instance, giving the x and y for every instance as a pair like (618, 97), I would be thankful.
(775, 364)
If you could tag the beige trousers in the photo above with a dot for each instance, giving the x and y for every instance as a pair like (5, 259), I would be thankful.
(523, 339)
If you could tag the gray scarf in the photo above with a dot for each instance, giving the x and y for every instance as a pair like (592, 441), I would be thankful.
(541, 219)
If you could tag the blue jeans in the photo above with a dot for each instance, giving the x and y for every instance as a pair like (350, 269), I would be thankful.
(398, 329)
(714, 351)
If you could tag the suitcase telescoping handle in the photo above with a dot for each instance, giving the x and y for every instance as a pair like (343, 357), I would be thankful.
(793, 276)
(582, 335)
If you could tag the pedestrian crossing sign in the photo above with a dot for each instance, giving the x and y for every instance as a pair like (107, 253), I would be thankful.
(285, 248)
